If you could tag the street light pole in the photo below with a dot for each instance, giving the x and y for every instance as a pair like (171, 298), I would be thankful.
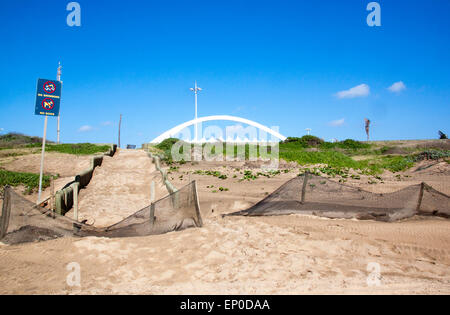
(58, 77)
(196, 90)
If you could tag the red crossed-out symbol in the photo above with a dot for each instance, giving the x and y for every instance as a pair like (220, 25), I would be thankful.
(48, 104)
(49, 87)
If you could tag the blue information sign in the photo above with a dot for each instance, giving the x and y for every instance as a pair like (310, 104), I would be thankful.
(48, 97)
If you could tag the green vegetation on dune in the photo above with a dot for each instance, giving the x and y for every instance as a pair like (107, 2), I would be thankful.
(29, 180)
(77, 148)
(17, 140)
(165, 149)
(13, 141)
(315, 142)
(366, 158)
(332, 158)
(167, 144)
(72, 148)
(339, 155)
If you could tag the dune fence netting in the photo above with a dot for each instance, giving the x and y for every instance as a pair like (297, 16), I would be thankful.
(23, 221)
(316, 195)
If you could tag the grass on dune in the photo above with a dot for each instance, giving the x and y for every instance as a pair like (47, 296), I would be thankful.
(12, 141)
(73, 148)
(29, 180)
(310, 150)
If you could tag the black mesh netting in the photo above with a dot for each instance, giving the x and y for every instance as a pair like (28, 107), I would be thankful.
(324, 197)
(22, 221)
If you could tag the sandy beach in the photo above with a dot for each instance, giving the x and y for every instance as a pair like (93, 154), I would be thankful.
(232, 255)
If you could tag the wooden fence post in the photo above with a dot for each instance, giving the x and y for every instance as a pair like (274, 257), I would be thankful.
(6, 211)
(197, 204)
(75, 200)
(305, 181)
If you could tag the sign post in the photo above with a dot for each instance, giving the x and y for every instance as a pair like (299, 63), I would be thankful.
(48, 99)
(42, 160)
(58, 77)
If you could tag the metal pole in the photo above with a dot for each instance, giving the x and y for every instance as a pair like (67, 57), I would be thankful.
(196, 125)
(195, 89)
(42, 159)
(58, 77)
(120, 122)
(57, 132)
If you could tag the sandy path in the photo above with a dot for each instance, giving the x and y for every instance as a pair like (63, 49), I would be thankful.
(119, 188)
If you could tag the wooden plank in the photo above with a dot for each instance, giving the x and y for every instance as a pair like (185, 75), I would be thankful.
(197, 204)
(6, 211)
(305, 181)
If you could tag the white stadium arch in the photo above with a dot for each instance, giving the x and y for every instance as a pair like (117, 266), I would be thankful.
(172, 132)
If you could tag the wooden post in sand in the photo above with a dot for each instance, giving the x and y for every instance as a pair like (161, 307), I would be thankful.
(305, 181)
(6, 211)
(197, 204)
(152, 192)
(152, 215)
(52, 196)
(419, 202)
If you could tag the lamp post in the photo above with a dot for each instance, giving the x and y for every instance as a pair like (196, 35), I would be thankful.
(196, 90)
(58, 77)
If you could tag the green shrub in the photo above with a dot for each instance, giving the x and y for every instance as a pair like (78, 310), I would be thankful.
(167, 144)
(348, 144)
(305, 141)
(396, 163)
(14, 139)
(430, 155)
(352, 144)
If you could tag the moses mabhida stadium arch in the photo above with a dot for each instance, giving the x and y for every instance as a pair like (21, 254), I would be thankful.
(177, 129)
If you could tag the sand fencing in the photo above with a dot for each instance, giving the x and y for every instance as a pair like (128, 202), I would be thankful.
(23, 221)
(315, 195)
(64, 197)
(174, 193)
(157, 161)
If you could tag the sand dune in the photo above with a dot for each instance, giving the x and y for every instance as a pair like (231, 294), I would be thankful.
(234, 255)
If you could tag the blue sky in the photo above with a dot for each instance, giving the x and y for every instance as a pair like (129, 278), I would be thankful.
(280, 63)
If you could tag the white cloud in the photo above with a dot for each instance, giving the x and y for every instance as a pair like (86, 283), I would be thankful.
(107, 123)
(397, 87)
(361, 90)
(85, 128)
(337, 123)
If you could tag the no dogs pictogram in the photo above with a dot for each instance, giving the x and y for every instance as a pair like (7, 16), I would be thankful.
(48, 104)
